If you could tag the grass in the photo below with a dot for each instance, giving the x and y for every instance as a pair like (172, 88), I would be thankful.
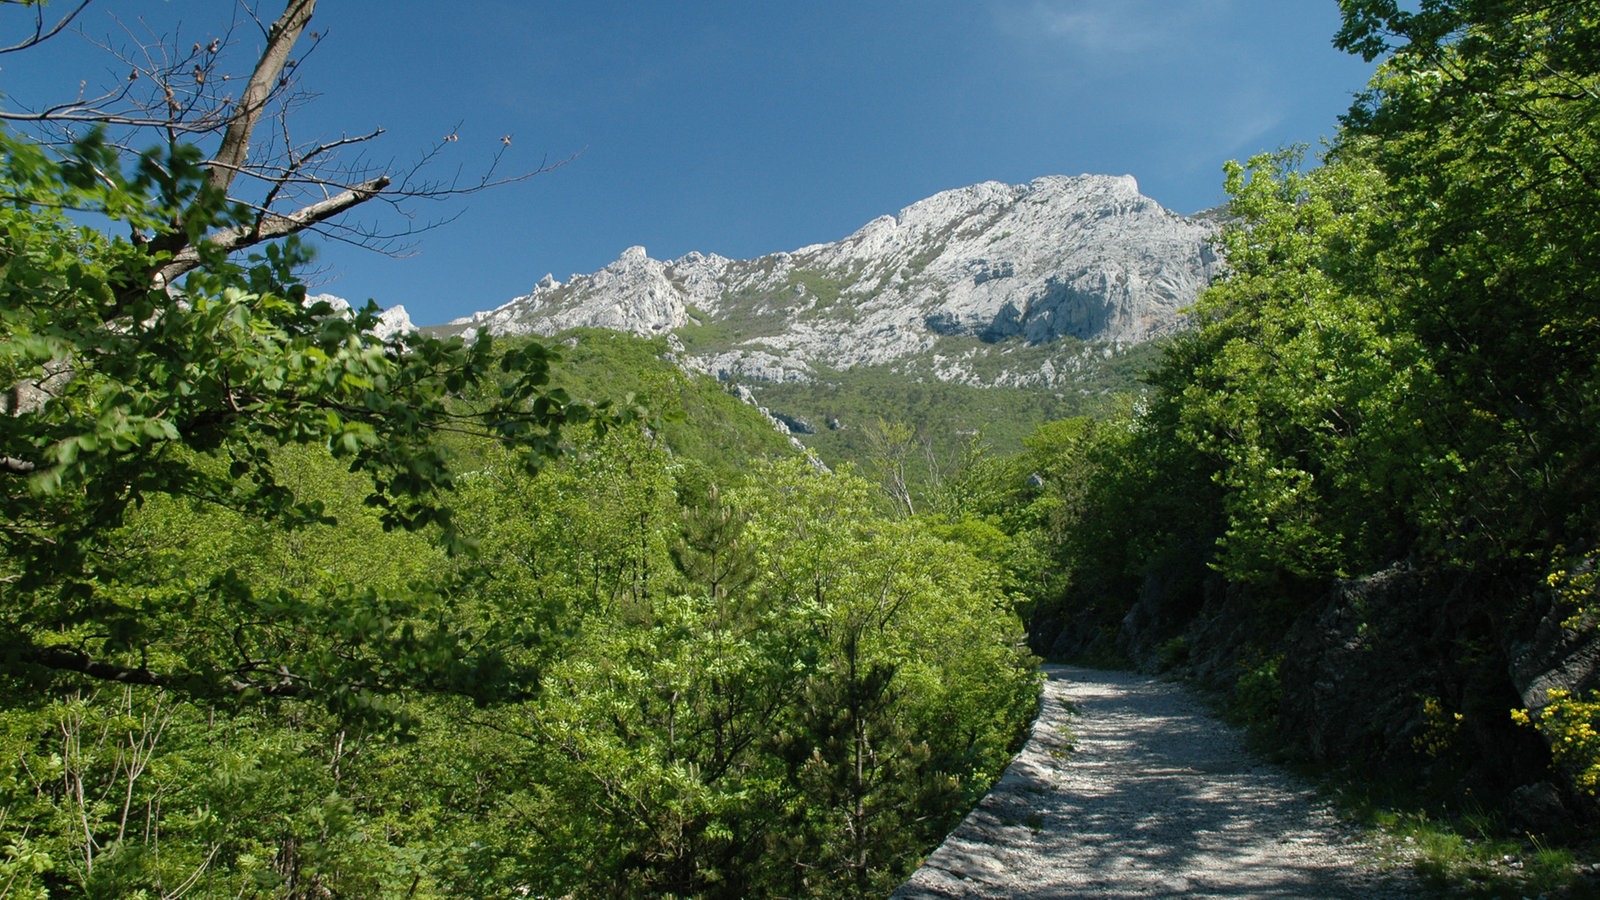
(824, 288)
(1468, 850)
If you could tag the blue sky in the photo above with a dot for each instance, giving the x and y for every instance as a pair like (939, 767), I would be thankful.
(745, 128)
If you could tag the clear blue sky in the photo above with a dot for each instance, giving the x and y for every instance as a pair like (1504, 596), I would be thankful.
(745, 128)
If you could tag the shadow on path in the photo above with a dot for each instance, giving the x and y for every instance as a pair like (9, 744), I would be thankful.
(1129, 788)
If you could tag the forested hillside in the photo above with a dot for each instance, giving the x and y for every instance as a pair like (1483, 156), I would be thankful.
(1362, 492)
(291, 610)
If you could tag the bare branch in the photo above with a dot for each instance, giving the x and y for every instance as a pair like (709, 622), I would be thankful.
(16, 466)
(89, 115)
(183, 91)
(438, 190)
(263, 82)
(70, 659)
(40, 32)
(289, 174)
(390, 243)
(272, 226)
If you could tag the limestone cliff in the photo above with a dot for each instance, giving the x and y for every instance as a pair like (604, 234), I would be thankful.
(1085, 257)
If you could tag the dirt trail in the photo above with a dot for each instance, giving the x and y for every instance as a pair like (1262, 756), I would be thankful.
(1130, 788)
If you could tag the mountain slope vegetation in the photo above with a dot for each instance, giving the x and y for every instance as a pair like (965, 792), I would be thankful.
(288, 609)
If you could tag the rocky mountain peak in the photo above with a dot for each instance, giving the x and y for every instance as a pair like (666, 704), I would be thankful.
(391, 322)
(1086, 257)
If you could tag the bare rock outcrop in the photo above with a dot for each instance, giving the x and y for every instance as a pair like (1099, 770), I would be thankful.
(1086, 257)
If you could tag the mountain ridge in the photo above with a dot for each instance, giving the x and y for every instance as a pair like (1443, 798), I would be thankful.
(931, 290)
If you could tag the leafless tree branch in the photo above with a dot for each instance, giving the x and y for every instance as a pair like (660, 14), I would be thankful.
(69, 659)
(42, 32)
(272, 226)
(258, 90)
(183, 91)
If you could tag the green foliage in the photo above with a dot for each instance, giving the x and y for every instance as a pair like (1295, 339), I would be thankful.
(1576, 585)
(121, 395)
(747, 316)
(1360, 384)
(886, 733)
(1482, 124)
(1400, 357)
(1468, 856)
(122, 790)
(707, 336)
(1399, 368)
(825, 289)
(1572, 726)
(1409, 327)
(1290, 384)
(734, 697)
(692, 413)
(287, 610)
(946, 416)
(1257, 695)
(1463, 849)
(1111, 505)
(737, 700)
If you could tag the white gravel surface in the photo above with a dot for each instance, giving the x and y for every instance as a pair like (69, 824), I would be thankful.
(1128, 787)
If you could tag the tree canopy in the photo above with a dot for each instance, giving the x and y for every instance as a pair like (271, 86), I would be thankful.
(170, 350)
(291, 609)
(1382, 429)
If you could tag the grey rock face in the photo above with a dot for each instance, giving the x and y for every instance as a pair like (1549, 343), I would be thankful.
(1556, 656)
(1087, 257)
(391, 322)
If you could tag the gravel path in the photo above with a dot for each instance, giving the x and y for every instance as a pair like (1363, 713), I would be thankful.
(1129, 788)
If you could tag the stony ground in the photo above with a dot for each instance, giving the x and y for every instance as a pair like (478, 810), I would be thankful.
(1130, 788)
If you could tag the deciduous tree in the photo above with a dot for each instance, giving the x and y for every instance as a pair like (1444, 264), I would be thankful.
(171, 353)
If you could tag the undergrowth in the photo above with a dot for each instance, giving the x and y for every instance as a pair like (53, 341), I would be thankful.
(1468, 849)
(1459, 844)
